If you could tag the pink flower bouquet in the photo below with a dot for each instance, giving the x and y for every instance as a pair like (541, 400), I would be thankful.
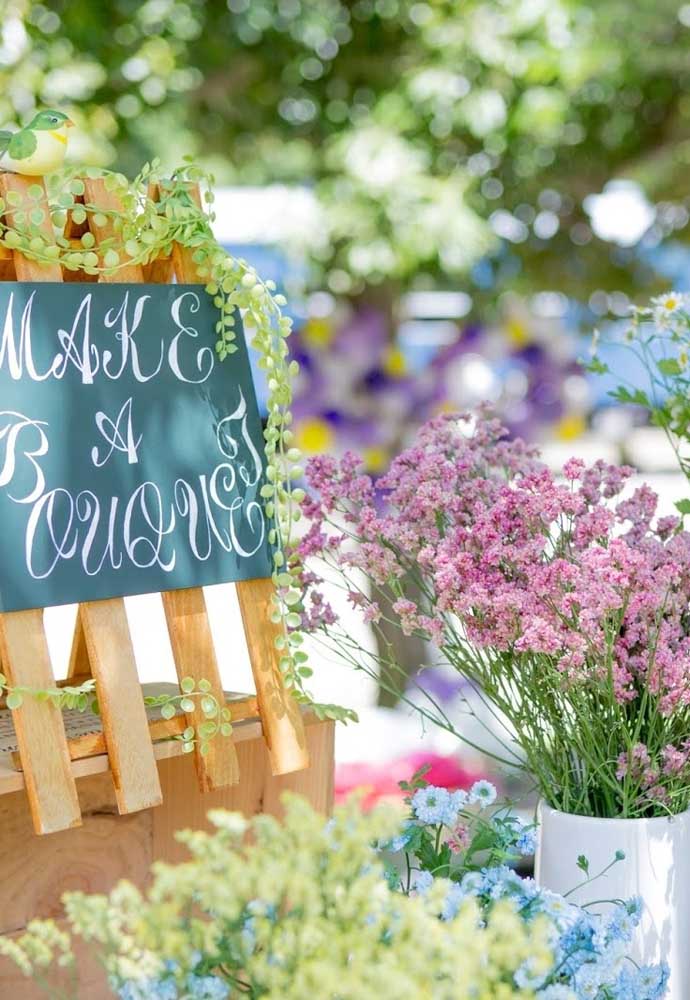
(566, 606)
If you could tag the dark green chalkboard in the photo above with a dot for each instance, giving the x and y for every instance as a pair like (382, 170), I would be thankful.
(131, 459)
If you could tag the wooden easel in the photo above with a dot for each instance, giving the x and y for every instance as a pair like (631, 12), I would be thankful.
(102, 646)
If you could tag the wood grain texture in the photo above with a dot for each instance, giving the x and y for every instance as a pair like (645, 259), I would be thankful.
(40, 730)
(259, 791)
(95, 192)
(92, 982)
(93, 744)
(279, 712)
(195, 656)
(34, 872)
(125, 726)
(79, 665)
(39, 727)
(29, 270)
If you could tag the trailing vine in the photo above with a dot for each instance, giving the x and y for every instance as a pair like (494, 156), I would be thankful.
(82, 698)
(154, 214)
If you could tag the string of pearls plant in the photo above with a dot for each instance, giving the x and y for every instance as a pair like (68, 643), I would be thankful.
(154, 213)
(82, 698)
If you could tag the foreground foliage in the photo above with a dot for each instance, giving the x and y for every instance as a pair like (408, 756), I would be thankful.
(304, 910)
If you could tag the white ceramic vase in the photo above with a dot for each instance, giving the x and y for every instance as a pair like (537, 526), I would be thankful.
(656, 867)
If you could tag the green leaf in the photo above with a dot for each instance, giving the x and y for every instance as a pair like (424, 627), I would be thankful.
(187, 705)
(638, 397)
(209, 706)
(168, 711)
(204, 685)
(683, 506)
(187, 684)
(583, 864)
(669, 366)
(596, 366)
(14, 699)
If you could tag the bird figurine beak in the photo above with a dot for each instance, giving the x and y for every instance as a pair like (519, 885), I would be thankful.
(69, 123)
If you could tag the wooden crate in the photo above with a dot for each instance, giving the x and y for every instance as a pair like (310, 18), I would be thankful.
(107, 847)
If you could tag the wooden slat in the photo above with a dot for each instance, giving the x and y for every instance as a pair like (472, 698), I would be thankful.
(281, 719)
(194, 655)
(24, 652)
(93, 744)
(29, 270)
(7, 271)
(39, 727)
(121, 704)
(79, 664)
(280, 715)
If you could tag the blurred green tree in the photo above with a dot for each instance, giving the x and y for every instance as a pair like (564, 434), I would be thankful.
(434, 133)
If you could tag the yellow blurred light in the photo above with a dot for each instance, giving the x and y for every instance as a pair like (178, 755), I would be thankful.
(317, 332)
(313, 435)
(570, 427)
(394, 363)
(517, 332)
(375, 459)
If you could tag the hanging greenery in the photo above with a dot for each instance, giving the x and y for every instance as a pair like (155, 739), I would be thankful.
(154, 213)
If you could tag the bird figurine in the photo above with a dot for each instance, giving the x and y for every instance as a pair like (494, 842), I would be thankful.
(37, 149)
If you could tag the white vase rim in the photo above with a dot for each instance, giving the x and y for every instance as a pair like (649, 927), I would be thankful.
(622, 820)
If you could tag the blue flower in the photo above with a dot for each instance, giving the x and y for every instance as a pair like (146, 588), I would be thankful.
(422, 882)
(148, 989)
(207, 988)
(457, 800)
(526, 978)
(483, 793)
(430, 804)
(635, 907)
(526, 843)
(556, 992)
(400, 842)
(651, 981)
(452, 902)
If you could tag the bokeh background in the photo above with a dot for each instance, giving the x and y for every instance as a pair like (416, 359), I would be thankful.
(452, 195)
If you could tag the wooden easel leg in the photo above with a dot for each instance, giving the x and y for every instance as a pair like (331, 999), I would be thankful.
(79, 667)
(125, 725)
(39, 725)
(195, 656)
(280, 715)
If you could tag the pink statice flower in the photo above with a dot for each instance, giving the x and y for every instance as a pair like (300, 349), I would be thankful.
(533, 577)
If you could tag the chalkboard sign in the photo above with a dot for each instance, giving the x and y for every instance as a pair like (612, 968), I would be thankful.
(131, 459)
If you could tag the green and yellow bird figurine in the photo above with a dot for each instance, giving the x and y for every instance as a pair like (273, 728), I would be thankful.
(37, 149)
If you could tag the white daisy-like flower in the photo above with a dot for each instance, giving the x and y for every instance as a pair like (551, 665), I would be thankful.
(666, 307)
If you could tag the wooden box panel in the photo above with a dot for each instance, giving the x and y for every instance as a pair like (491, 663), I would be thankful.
(36, 870)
